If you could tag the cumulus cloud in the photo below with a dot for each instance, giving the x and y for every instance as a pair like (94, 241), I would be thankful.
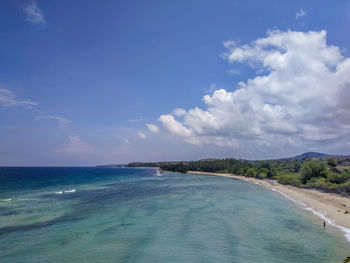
(179, 112)
(152, 127)
(9, 99)
(142, 135)
(302, 99)
(34, 13)
(174, 126)
(76, 146)
(300, 13)
(63, 122)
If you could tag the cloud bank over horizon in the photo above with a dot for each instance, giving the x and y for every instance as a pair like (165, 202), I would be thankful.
(299, 97)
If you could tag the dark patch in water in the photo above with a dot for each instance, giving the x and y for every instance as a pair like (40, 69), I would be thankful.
(5, 211)
(113, 229)
(295, 225)
(90, 201)
(35, 226)
(286, 251)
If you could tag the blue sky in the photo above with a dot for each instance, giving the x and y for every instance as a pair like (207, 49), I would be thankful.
(80, 80)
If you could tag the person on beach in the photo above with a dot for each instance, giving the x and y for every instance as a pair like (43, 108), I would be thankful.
(324, 224)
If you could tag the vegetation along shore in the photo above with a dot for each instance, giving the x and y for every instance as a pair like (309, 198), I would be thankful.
(325, 173)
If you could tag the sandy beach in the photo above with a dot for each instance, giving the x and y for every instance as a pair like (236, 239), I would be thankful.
(332, 206)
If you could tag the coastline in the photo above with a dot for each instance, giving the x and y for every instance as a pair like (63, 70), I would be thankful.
(330, 207)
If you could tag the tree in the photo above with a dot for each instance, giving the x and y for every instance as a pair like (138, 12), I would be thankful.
(262, 173)
(297, 166)
(312, 169)
(251, 172)
(332, 162)
(272, 172)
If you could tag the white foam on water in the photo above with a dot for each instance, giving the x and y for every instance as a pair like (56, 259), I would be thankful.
(158, 173)
(6, 200)
(317, 213)
(330, 222)
(65, 191)
(290, 198)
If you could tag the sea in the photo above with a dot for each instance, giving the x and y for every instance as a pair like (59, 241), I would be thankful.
(87, 214)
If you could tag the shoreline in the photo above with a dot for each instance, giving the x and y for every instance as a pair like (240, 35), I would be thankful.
(330, 207)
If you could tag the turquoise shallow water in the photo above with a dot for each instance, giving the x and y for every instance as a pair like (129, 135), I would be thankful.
(132, 215)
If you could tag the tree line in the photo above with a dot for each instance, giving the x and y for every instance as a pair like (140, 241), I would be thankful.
(325, 174)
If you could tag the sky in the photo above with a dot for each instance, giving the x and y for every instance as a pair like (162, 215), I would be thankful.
(100, 82)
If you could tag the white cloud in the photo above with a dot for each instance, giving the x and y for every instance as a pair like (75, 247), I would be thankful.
(63, 122)
(300, 13)
(152, 127)
(142, 135)
(174, 126)
(301, 101)
(76, 146)
(179, 112)
(9, 99)
(34, 13)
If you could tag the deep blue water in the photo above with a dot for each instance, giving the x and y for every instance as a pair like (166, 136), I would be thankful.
(133, 215)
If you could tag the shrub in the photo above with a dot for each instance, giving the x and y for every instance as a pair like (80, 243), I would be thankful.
(241, 171)
(337, 178)
(262, 173)
(292, 179)
(332, 162)
(313, 169)
(272, 173)
(317, 182)
(251, 172)
(223, 171)
(343, 188)
(320, 183)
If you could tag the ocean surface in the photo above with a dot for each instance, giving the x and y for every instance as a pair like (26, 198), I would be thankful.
(134, 215)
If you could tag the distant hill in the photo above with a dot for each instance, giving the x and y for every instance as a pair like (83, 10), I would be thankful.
(181, 163)
(307, 155)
